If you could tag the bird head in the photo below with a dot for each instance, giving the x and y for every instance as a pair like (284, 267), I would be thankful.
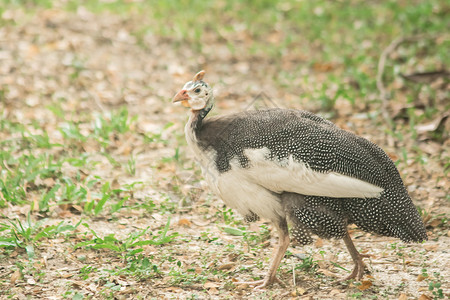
(195, 94)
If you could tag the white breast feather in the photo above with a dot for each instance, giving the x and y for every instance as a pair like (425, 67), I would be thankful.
(234, 187)
(238, 192)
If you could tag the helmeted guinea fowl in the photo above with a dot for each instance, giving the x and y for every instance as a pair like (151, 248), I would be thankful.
(293, 166)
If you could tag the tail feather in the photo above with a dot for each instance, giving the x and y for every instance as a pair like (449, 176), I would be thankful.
(392, 214)
(386, 217)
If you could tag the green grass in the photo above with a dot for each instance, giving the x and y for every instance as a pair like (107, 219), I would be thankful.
(344, 34)
(26, 235)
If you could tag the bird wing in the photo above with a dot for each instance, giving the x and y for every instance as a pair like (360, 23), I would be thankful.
(289, 175)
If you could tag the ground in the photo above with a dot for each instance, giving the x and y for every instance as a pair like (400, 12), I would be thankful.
(100, 197)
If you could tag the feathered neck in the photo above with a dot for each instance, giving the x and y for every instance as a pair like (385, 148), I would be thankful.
(196, 117)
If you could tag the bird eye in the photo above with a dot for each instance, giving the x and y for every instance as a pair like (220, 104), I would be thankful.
(197, 90)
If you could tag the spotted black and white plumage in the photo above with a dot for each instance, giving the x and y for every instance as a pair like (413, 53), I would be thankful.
(285, 164)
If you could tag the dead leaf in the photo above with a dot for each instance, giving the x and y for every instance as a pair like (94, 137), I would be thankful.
(299, 291)
(431, 247)
(213, 291)
(324, 67)
(31, 281)
(421, 277)
(201, 223)
(424, 297)
(400, 111)
(365, 284)
(393, 156)
(227, 266)
(402, 297)
(435, 222)
(15, 276)
(77, 208)
(65, 214)
(319, 243)
(425, 77)
(242, 286)
(78, 284)
(210, 285)
(184, 222)
(275, 37)
(334, 292)
(433, 125)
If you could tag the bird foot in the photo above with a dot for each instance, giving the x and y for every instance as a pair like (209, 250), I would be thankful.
(263, 283)
(358, 270)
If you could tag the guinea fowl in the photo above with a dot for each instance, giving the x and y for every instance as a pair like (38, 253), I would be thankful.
(292, 166)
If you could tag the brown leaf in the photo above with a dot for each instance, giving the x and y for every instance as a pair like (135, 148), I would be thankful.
(425, 77)
(15, 276)
(424, 297)
(433, 125)
(393, 156)
(76, 208)
(213, 291)
(184, 222)
(402, 297)
(431, 247)
(421, 277)
(365, 284)
(242, 286)
(435, 222)
(201, 223)
(334, 292)
(319, 243)
(324, 67)
(210, 285)
(227, 266)
(298, 292)
(65, 214)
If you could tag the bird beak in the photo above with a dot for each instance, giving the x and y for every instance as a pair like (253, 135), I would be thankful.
(183, 97)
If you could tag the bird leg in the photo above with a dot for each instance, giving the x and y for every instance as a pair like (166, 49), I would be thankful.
(358, 270)
(283, 244)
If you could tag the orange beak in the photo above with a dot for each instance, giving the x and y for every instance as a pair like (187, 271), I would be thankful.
(183, 97)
